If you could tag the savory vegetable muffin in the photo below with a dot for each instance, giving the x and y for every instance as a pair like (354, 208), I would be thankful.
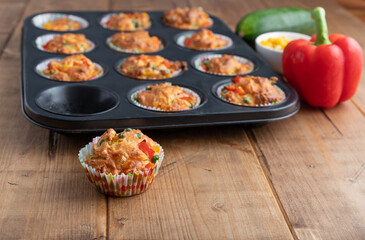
(205, 40)
(128, 21)
(187, 18)
(62, 24)
(136, 42)
(122, 164)
(72, 68)
(68, 43)
(151, 67)
(252, 91)
(167, 97)
(225, 65)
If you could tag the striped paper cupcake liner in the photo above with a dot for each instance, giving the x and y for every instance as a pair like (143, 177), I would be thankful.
(119, 185)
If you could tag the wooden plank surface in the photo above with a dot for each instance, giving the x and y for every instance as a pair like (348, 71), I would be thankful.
(44, 195)
(302, 177)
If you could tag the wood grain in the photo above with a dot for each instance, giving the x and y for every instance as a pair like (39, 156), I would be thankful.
(211, 186)
(45, 194)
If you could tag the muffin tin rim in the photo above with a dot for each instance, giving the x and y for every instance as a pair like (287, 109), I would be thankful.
(91, 16)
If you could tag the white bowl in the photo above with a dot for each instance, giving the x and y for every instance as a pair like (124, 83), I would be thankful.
(273, 56)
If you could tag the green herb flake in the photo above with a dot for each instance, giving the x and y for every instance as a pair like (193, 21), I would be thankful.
(128, 129)
(224, 90)
(246, 100)
(155, 158)
(101, 142)
(139, 135)
(121, 135)
(206, 63)
(191, 105)
(136, 23)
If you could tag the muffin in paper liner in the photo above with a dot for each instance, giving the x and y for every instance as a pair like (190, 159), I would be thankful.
(105, 19)
(221, 87)
(43, 18)
(44, 39)
(197, 61)
(118, 49)
(174, 73)
(44, 65)
(180, 40)
(119, 185)
(134, 100)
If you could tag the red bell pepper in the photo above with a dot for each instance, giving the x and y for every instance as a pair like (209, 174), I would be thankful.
(325, 70)
(145, 147)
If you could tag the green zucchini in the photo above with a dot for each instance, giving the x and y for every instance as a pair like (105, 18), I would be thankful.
(275, 19)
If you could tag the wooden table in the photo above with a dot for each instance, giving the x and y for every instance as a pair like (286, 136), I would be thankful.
(298, 178)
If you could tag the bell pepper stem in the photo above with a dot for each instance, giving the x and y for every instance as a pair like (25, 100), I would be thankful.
(319, 16)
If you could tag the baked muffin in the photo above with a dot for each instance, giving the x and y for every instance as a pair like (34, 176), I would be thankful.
(72, 68)
(62, 24)
(151, 67)
(167, 97)
(136, 42)
(205, 40)
(252, 91)
(68, 43)
(225, 65)
(187, 18)
(128, 21)
(122, 164)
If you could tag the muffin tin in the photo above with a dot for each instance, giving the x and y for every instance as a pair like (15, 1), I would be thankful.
(107, 102)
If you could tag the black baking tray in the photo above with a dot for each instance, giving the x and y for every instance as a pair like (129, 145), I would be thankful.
(76, 103)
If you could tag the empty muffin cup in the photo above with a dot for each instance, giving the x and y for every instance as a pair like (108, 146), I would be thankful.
(77, 100)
